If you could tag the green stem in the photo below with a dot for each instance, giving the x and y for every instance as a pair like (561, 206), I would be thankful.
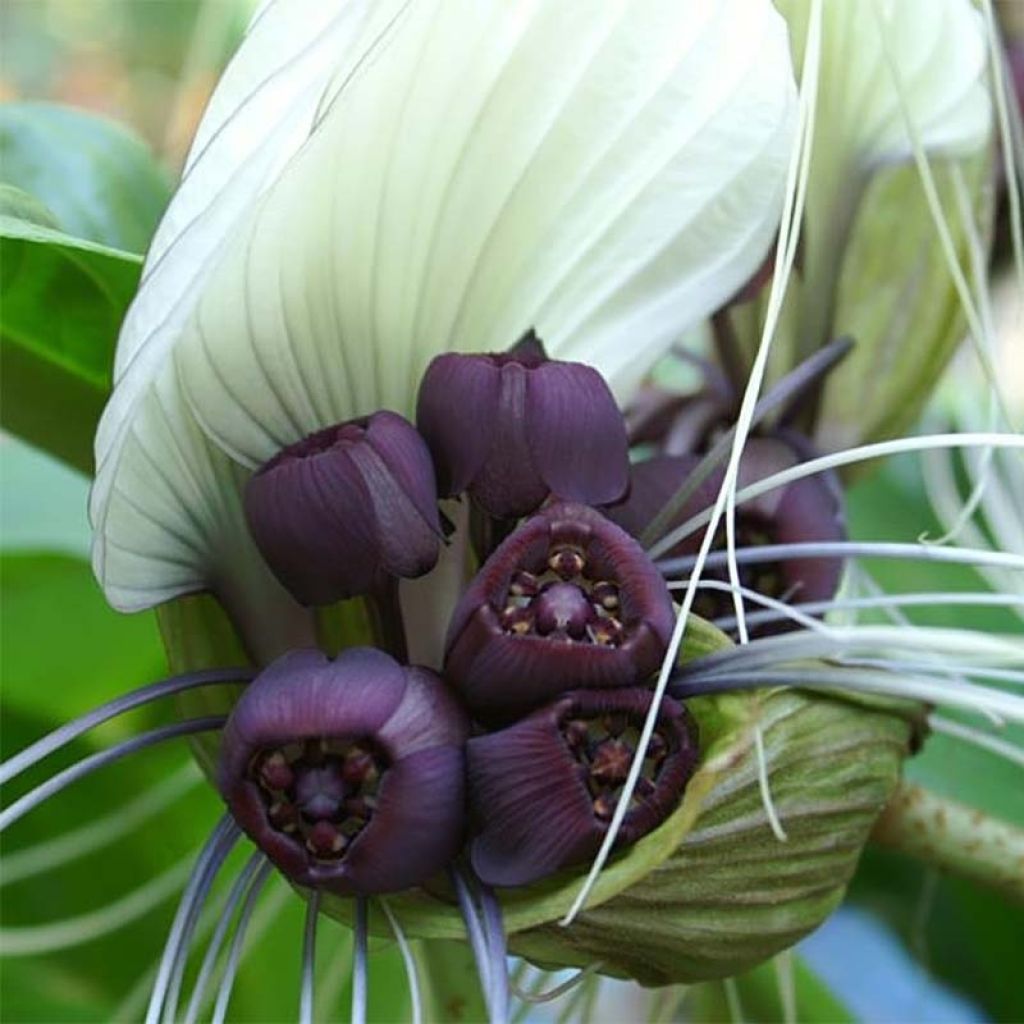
(954, 837)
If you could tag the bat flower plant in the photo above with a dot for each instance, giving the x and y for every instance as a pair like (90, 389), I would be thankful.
(433, 634)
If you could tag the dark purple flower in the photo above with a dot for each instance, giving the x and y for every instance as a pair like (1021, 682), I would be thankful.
(512, 429)
(568, 601)
(806, 510)
(543, 791)
(346, 508)
(348, 774)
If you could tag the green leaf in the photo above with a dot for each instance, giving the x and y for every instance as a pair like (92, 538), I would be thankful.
(100, 182)
(62, 300)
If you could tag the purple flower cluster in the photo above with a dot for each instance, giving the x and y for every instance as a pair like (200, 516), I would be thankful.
(362, 774)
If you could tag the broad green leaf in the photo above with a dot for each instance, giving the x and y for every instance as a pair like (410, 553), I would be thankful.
(100, 182)
(61, 304)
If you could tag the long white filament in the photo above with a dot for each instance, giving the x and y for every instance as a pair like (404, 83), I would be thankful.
(307, 993)
(224, 835)
(993, 744)
(408, 960)
(799, 165)
(239, 888)
(836, 460)
(360, 965)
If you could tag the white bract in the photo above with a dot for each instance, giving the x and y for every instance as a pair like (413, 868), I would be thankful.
(377, 182)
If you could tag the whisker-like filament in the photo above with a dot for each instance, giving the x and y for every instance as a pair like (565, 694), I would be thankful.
(307, 994)
(966, 696)
(764, 786)
(227, 982)
(360, 965)
(238, 890)
(836, 460)
(225, 834)
(557, 991)
(89, 764)
(846, 549)
(494, 931)
(53, 741)
(993, 744)
(409, 961)
(474, 930)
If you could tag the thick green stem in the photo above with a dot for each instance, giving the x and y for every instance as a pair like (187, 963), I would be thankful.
(954, 837)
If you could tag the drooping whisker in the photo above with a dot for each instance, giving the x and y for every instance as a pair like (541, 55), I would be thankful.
(845, 549)
(238, 890)
(998, 675)
(224, 836)
(494, 934)
(408, 960)
(89, 764)
(53, 741)
(985, 741)
(836, 460)
(360, 965)
(306, 995)
(227, 982)
(557, 991)
(977, 699)
(475, 930)
(883, 602)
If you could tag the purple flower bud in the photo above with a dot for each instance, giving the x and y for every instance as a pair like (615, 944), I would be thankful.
(543, 791)
(806, 510)
(512, 429)
(339, 512)
(347, 774)
(567, 601)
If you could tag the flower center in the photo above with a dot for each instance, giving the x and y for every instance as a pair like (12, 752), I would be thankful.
(563, 602)
(603, 747)
(321, 792)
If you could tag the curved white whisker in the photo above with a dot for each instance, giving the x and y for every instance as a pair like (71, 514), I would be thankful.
(227, 912)
(61, 780)
(558, 991)
(36, 860)
(980, 337)
(848, 457)
(785, 253)
(227, 982)
(494, 930)
(118, 706)
(360, 966)
(216, 848)
(306, 996)
(921, 599)
(956, 670)
(993, 744)
(474, 931)
(732, 1000)
(765, 786)
(75, 931)
(848, 548)
(411, 973)
(967, 696)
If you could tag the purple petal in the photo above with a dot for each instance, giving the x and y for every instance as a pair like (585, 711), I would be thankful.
(528, 805)
(577, 434)
(508, 484)
(308, 518)
(407, 458)
(455, 415)
(417, 828)
(428, 716)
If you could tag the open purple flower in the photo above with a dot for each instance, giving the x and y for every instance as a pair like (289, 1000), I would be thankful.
(543, 791)
(806, 510)
(511, 429)
(346, 508)
(568, 601)
(348, 774)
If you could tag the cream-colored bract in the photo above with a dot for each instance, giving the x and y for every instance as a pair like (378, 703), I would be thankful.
(377, 182)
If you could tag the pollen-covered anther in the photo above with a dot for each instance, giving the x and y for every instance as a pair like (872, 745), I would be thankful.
(323, 790)
(567, 600)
